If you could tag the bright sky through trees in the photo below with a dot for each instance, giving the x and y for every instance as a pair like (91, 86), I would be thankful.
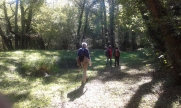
(62, 2)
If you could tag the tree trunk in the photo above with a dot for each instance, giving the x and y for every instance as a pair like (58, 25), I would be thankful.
(7, 42)
(80, 24)
(112, 23)
(41, 43)
(133, 41)
(28, 23)
(86, 24)
(87, 10)
(22, 24)
(16, 26)
(159, 14)
(153, 32)
(9, 27)
(105, 22)
(126, 44)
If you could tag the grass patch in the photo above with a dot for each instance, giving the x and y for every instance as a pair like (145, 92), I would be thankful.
(23, 81)
(23, 74)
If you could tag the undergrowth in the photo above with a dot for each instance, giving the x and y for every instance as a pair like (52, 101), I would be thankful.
(33, 78)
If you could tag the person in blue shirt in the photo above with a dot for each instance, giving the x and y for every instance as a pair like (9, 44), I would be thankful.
(83, 60)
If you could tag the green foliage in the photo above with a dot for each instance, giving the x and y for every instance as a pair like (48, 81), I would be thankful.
(55, 90)
(19, 70)
(40, 68)
(58, 29)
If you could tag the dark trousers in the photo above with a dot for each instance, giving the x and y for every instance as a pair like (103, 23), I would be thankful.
(109, 60)
(117, 61)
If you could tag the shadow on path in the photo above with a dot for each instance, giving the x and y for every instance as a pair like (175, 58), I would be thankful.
(167, 95)
(77, 93)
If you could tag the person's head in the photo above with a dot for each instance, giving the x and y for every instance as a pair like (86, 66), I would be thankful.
(84, 44)
(116, 48)
(109, 46)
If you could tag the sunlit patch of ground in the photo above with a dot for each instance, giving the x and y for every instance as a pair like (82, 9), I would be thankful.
(114, 93)
(130, 85)
(123, 67)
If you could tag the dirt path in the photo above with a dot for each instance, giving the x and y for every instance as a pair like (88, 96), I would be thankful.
(127, 86)
(113, 88)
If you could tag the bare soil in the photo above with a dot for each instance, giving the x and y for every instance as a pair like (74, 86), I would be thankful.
(134, 85)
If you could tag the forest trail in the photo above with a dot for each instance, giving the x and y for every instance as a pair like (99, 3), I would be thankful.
(125, 86)
(134, 84)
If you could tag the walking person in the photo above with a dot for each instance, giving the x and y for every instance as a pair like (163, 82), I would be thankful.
(109, 55)
(84, 60)
(116, 55)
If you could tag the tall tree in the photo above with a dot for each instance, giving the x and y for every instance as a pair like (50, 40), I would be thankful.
(111, 12)
(103, 23)
(152, 30)
(161, 17)
(87, 10)
(81, 6)
(16, 26)
(7, 40)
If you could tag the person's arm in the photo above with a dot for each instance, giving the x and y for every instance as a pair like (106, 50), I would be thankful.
(90, 62)
(87, 54)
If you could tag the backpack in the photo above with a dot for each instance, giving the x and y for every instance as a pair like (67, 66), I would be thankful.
(81, 56)
(107, 53)
(117, 53)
